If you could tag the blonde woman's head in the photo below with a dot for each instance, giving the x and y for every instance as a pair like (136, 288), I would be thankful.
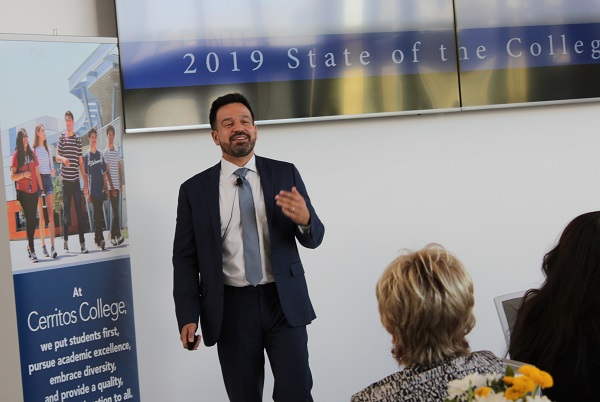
(425, 301)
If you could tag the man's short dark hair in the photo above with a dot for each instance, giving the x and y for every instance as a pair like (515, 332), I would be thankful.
(68, 113)
(92, 131)
(226, 100)
(110, 128)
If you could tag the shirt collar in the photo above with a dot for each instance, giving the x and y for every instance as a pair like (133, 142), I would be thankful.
(228, 168)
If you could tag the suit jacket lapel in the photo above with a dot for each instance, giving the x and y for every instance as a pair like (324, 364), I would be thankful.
(212, 192)
(266, 182)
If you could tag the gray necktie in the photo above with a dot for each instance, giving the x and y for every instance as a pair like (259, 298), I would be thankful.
(249, 231)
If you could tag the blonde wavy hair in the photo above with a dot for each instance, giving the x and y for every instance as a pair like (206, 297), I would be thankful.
(425, 300)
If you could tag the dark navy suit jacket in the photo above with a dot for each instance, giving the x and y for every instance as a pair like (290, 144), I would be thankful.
(198, 286)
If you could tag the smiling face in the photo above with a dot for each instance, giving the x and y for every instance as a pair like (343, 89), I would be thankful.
(41, 133)
(25, 138)
(69, 123)
(22, 147)
(235, 133)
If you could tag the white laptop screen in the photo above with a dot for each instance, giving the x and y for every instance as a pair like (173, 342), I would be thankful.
(507, 307)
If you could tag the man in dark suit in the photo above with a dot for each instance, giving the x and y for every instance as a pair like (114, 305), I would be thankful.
(209, 261)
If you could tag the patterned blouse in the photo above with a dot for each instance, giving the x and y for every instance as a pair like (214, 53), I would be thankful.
(428, 383)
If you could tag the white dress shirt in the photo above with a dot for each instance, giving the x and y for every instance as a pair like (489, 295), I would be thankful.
(231, 225)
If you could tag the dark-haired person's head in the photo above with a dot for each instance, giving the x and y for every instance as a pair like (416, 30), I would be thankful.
(565, 310)
(22, 140)
(69, 122)
(92, 132)
(110, 129)
(233, 128)
(572, 267)
(226, 100)
(22, 147)
(579, 249)
(425, 301)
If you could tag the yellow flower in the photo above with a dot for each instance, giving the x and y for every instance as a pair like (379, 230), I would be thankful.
(540, 377)
(520, 386)
(483, 391)
(512, 394)
(524, 384)
(545, 380)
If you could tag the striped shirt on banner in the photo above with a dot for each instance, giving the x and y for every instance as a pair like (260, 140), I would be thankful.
(44, 158)
(112, 158)
(70, 147)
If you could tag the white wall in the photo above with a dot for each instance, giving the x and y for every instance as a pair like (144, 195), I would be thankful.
(58, 17)
(496, 187)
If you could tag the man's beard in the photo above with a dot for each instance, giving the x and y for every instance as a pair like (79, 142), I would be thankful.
(239, 150)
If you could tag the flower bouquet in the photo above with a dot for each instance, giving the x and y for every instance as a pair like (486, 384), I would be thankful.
(525, 386)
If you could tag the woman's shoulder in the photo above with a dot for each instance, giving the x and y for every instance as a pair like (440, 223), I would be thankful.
(386, 389)
(482, 359)
(419, 383)
(484, 355)
(429, 382)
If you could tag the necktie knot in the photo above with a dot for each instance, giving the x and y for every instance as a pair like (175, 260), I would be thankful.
(241, 172)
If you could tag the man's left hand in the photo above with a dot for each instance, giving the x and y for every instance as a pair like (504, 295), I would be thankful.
(293, 206)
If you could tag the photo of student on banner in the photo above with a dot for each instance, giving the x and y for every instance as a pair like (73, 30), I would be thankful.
(46, 202)
(25, 174)
(112, 157)
(96, 185)
(70, 156)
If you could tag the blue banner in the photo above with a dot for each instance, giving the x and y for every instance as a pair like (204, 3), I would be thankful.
(242, 60)
(77, 334)
(528, 46)
(174, 64)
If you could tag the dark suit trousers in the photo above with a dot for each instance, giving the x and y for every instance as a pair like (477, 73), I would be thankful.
(253, 323)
